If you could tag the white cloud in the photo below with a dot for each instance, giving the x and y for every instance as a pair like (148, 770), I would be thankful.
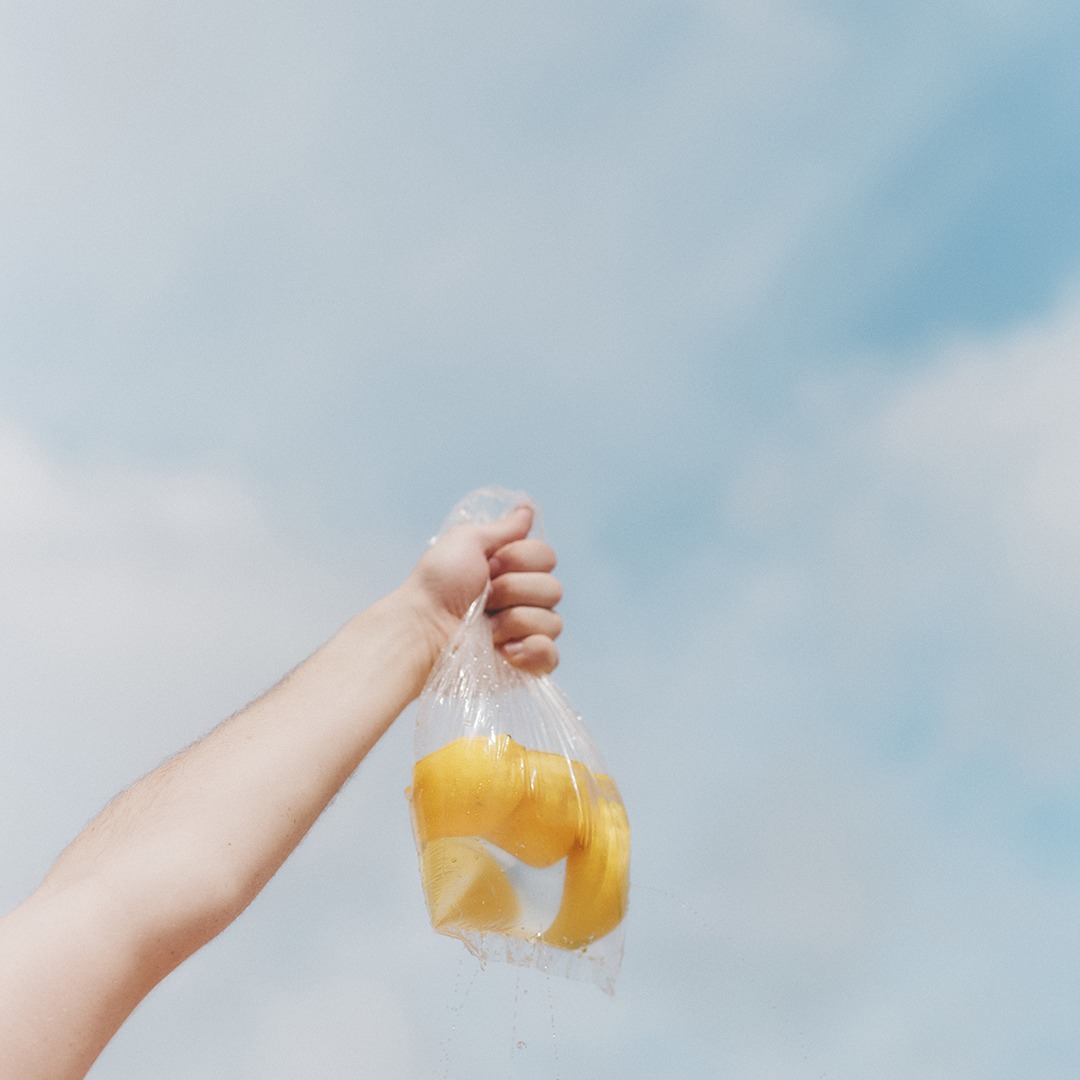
(923, 531)
(138, 609)
(992, 427)
(984, 448)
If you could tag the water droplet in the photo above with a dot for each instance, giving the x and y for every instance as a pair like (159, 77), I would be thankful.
(521, 1044)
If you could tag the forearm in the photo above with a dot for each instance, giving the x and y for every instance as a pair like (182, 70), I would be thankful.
(189, 846)
(175, 858)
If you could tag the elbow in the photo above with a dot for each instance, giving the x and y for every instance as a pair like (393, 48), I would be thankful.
(165, 917)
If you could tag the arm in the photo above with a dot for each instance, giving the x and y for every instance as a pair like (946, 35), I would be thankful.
(175, 858)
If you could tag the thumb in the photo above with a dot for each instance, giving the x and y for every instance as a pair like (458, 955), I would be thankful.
(514, 526)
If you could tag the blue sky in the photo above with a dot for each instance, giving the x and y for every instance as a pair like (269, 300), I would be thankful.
(775, 310)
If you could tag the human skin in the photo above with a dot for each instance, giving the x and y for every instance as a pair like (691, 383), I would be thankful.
(175, 858)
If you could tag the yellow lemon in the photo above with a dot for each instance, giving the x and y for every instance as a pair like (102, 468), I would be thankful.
(467, 788)
(597, 886)
(465, 887)
(536, 806)
(543, 826)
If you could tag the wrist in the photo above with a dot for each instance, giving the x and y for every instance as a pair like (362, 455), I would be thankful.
(429, 627)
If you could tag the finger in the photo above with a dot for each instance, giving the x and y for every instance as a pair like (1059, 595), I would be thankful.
(537, 654)
(513, 526)
(518, 555)
(528, 589)
(519, 623)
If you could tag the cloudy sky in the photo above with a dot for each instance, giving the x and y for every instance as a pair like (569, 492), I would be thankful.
(774, 307)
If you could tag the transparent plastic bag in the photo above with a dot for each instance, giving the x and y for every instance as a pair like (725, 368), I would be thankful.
(523, 839)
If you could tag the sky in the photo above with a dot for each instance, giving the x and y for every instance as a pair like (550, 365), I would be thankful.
(773, 307)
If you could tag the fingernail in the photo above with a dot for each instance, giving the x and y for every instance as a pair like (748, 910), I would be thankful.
(513, 648)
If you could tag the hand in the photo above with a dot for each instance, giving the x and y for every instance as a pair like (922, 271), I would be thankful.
(457, 568)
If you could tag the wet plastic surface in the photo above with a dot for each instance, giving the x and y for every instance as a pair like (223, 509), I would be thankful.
(523, 838)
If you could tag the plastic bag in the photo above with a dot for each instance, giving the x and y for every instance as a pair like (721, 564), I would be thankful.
(523, 839)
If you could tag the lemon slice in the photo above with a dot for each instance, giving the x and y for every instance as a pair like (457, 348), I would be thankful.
(550, 815)
(465, 887)
(597, 885)
(467, 788)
